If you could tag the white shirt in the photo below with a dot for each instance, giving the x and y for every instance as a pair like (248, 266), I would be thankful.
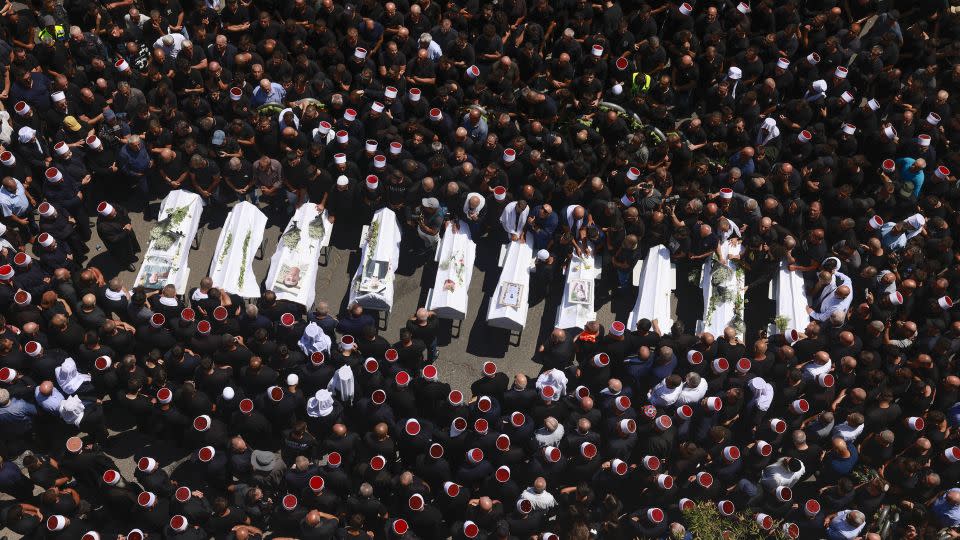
(847, 432)
(812, 369)
(777, 475)
(540, 501)
(663, 396)
(830, 304)
(511, 221)
(692, 395)
(547, 438)
(173, 50)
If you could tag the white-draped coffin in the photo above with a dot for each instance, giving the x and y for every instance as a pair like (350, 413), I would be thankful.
(451, 288)
(508, 305)
(293, 266)
(372, 285)
(790, 300)
(232, 266)
(576, 307)
(658, 280)
(165, 261)
(725, 312)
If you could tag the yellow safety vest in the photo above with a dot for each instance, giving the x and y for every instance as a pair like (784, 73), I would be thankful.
(635, 87)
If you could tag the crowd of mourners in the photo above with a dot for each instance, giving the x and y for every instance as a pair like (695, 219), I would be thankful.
(819, 132)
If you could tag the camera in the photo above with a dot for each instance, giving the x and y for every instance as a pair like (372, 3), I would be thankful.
(671, 199)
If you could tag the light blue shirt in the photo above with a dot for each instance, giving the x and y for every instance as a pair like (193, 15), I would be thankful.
(51, 403)
(14, 203)
(841, 530)
(947, 513)
(276, 95)
(17, 417)
(434, 51)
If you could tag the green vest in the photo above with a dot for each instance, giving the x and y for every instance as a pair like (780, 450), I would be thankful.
(59, 33)
(635, 85)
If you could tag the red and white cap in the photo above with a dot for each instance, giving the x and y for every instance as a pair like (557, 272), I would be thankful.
(157, 320)
(316, 483)
(455, 397)
(56, 523)
(840, 72)
(778, 426)
(236, 93)
(627, 426)
(481, 426)
(744, 365)
(146, 499)
(484, 404)
(685, 504)
(61, 148)
(813, 58)
(188, 314)
(633, 173)
(945, 302)
(429, 372)
(53, 174)
(548, 392)
(402, 379)
(500, 193)
(915, 423)
(470, 529)
(372, 182)
(414, 94)
(34, 349)
(102, 363)
(436, 450)
(343, 136)
(588, 450)
(376, 107)
(847, 97)
(7, 375)
(764, 521)
(340, 159)
(720, 365)
(942, 172)
(475, 455)
(359, 53)
(663, 422)
(792, 530)
(665, 481)
(873, 104)
(726, 193)
(933, 119)
(784, 494)
(581, 391)
(783, 63)
(246, 405)
(370, 145)
(627, 200)
(876, 222)
(825, 380)
(695, 357)
(601, 360)
(6, 272)
(502, 474)
(596, 50)
(743, 7)
(204, 327)
(334, 460)
(731, 453)
(552, 454)
(811, 507)
(452, 489)
(412, 427)
(324, 127)
(656, 515)
(415, 502)
(622, 63)
(704, 479)
(390, 92)
(275, 393)
(617, 328)
(849, 129)
(685, 8)
(400, 527)
(201, 423)
(509, 155)
(726, 507)
(379, 161)
(7, 158)
(685, 412)
(220, 313)
(473, 72)
(178, 523)
(22, 298)
(763, 448)
(111, 477)
(517, 419)
(524, 506)
(21, 108)
(289, 501)
(347, 342)
(800, 406)
(436, 114)
(147, 464)
(121, 65)
(135, 534)
(457, 426)
(895, 298)
(890, 132)
(396, 147)
(713, 404)
(619, 466)
(923, 139)
(952, 454)
(378, 462)
(317, 358)
(651, 463)
(503, 442)
(45, 240)
(805, 136)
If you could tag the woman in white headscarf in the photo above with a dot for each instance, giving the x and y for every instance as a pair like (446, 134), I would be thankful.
(314, 340)
(68, 378)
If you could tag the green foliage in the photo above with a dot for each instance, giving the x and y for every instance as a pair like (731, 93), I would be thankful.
(705, 522)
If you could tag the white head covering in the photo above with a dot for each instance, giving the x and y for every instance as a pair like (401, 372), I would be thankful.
(321, 404)
(556, 379)
(762, 392)
(71, 410)
(768, 131)
(314, 340)
(26, 133)
(68, 378)
(342, 384)
(466, 203)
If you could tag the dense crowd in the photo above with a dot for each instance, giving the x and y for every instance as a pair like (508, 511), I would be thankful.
(819, 133)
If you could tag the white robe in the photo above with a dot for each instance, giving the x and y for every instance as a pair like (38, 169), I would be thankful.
(511, 221)
(68, 378)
